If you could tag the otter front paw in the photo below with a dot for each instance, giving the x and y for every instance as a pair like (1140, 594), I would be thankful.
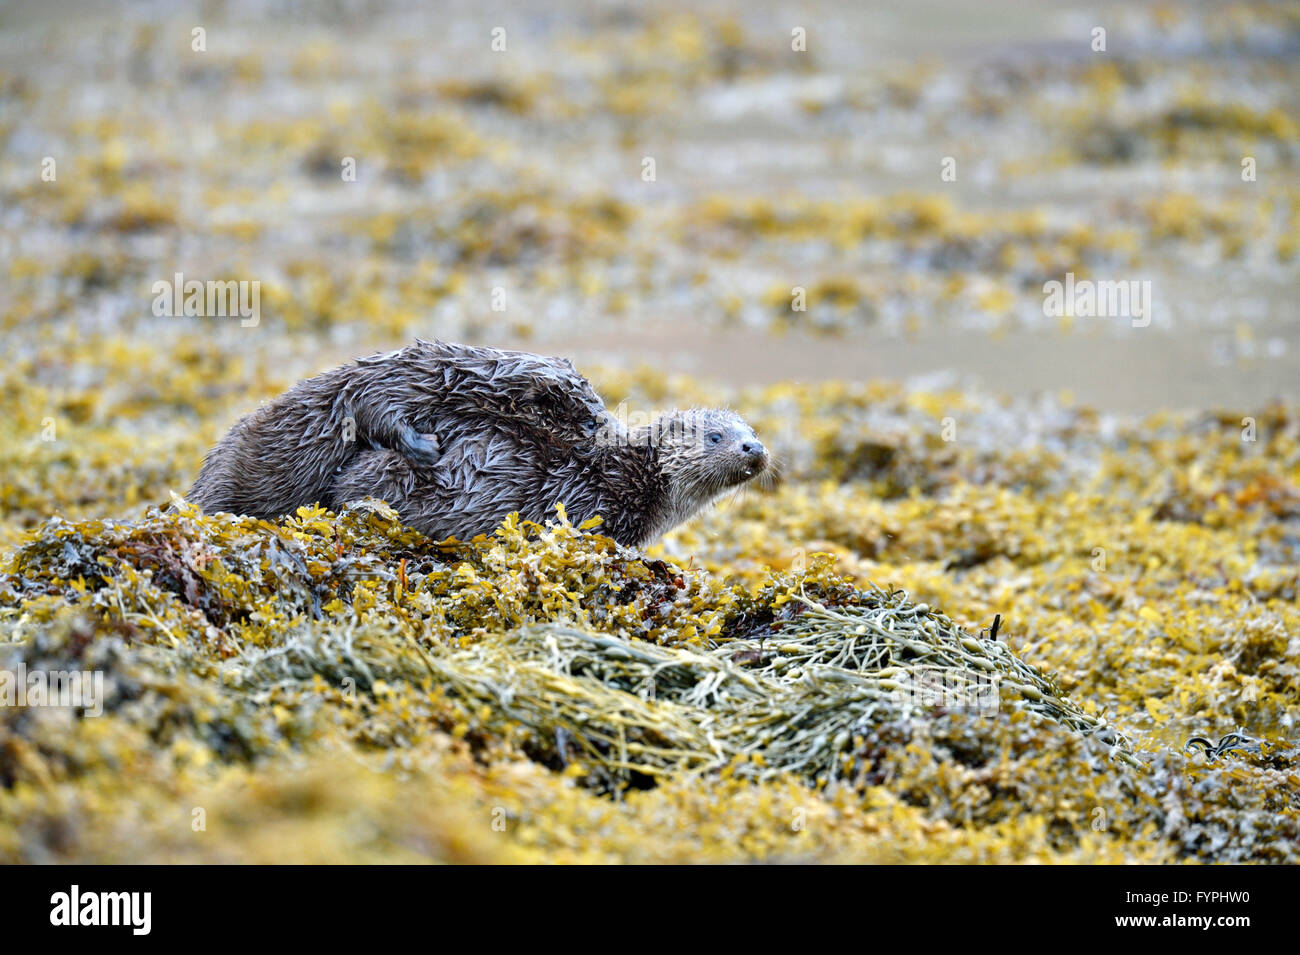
(422, 450)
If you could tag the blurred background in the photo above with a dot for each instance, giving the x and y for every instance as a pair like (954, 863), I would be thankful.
(640, 185)
(653, 191)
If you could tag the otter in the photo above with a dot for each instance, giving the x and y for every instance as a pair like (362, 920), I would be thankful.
(289, 452)
(642, 482)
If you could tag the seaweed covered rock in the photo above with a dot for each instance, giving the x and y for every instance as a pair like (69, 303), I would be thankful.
(231, 645)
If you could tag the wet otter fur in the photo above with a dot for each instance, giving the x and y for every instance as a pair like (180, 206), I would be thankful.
(289, 452)
(642, 481)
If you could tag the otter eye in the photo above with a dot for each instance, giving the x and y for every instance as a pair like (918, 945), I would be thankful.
(715, 437)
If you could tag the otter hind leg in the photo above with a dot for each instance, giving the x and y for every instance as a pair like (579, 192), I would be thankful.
(381, 473)
(390, 476)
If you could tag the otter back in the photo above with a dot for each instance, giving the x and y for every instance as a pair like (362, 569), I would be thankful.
(289, 452)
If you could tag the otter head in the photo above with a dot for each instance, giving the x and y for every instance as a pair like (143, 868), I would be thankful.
(562, 403)
(703, 452)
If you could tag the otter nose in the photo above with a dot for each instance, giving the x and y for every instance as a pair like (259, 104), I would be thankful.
(753, 448)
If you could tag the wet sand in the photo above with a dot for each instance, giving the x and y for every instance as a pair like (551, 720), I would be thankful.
(1153, 371)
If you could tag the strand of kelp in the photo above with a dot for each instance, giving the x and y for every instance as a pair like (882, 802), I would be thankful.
(624, 708)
